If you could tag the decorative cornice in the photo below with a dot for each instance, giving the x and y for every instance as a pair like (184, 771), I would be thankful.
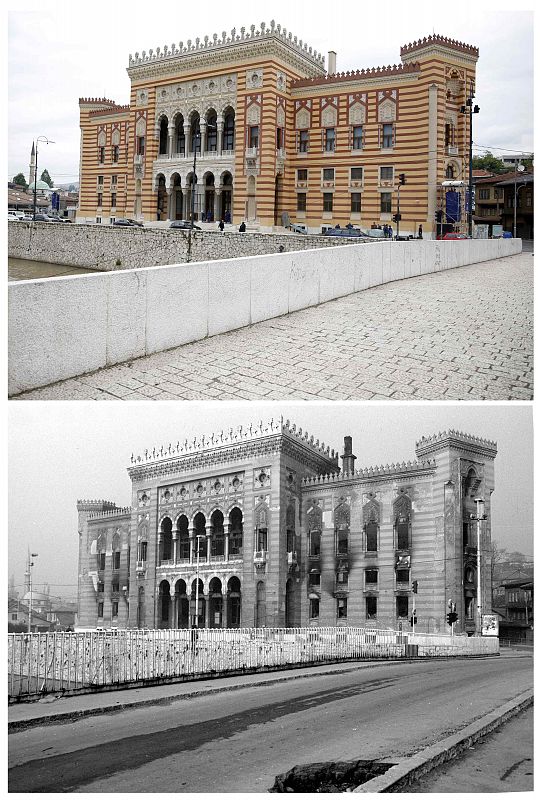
(96, 505)
(274, 32)
(386, 472)
(356, 75)
(453, 438)
(436, 39)
(117, 512)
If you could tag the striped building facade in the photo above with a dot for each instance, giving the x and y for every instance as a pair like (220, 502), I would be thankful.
(278, 138)
(275, 533)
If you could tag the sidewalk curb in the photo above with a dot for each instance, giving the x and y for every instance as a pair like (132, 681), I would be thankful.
(67, 716)
(445, 750)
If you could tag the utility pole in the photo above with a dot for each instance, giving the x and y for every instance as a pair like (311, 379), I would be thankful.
(480, 516)
(518, 167)
(469, 110)
(30, 565)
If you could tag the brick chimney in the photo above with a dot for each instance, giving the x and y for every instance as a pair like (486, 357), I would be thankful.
(348, 457)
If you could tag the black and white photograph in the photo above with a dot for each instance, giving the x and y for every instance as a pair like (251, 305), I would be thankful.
(292, 250)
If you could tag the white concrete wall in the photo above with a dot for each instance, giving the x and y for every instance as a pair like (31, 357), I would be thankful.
(63, 327)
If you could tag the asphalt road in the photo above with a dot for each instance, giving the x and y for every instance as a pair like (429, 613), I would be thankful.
(238, 741)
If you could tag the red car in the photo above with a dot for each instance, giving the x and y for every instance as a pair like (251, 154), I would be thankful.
(455, 236)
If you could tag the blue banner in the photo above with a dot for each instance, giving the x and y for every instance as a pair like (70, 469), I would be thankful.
(453, 207)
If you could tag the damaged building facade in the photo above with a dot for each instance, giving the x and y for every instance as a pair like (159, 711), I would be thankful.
(261, 527)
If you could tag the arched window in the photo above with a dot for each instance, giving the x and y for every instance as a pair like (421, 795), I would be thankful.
(164, 603)
(140, 608)
(215, 600)
(163, 136)
(116, 551)
(291, 534)
(261, 528)
(228, 130)
(371, 515)
(198, 615)
(234, 603)
(180, 136)
(218, 537)
(199, 525)
(182, 604)
(211, 131)
(195, 133)
(182, 527)
(101, 548)
(236, 532)
(260, 605)
(402, 523)
(289, 604)
(342, 517)
(450, 172)
(166, 540)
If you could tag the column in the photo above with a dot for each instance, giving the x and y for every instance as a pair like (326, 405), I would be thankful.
(170, 143)
(202, 136)
(208, 530)
(185, 209)
(206, 610)
(160, 548)
(175, 542)
(219, 136)
(192, 554)
(227, 532)
(187, 131)
(173, 619)
(170, 200)
(224, 614)
(217, 205)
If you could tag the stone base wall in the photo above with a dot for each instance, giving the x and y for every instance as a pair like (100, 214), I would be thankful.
(67, 326)
(108, 248)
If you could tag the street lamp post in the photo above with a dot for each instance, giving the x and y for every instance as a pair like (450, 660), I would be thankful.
(30, 565)
(480, 517)
(47, 141)
(196, 135)
(518, 167)
(196, 625)
(469, 109)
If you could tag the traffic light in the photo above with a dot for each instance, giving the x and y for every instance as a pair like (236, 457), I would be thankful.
(413, 620)
(402, 178)
(415, 587)
(396, 218)
(451, 617)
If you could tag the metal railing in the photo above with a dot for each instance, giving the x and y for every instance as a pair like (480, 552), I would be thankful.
(41, 663)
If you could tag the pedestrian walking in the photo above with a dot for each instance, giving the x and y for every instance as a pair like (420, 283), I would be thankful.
(419, 231)
(390, 232)
(221, 225)
(242, 227)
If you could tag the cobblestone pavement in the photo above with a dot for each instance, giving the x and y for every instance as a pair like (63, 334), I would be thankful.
(463, 334)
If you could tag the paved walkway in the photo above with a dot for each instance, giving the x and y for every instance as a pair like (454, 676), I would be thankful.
(464, 334)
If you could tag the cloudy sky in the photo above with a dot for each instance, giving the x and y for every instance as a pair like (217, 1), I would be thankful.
(62, 452)
(59, 52)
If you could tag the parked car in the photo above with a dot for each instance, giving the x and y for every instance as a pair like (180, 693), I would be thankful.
(294, 228)
(15, 216)
(41, 217)
(184, 224)
(455, 236)
(374, 233)
(136, 222)
(124, 223)
(343, 232)
(55, 219)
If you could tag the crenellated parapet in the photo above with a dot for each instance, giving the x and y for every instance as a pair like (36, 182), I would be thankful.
(453, 438)
(212, 43)
(367, 473)
(444, 41)
(358, 75)
(242, 433)
(96, 505)
(108, 514)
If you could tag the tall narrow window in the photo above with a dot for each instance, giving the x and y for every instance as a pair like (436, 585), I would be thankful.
(101, 155)
(387, 136)
(253, 138)
(314, 609)
(371, 607)
(301, 201)
(358, 137)
(115, 153)
(140, 145)
(303, 141)
(402, 607)
(328, 201)
(330, 139)
(356, 202)
(342, 608)
(386, 202)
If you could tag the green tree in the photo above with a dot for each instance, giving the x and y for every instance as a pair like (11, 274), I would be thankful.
(46, 177)
(490, 163)
(20, 180)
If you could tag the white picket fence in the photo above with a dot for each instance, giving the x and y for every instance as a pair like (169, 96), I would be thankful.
(40, 663)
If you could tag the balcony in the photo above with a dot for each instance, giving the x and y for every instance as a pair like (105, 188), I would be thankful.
(138, 159)
(252, 152)
(292, 559)
(387, 184)
(259, 557)
(141, 567)
(452, 150)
